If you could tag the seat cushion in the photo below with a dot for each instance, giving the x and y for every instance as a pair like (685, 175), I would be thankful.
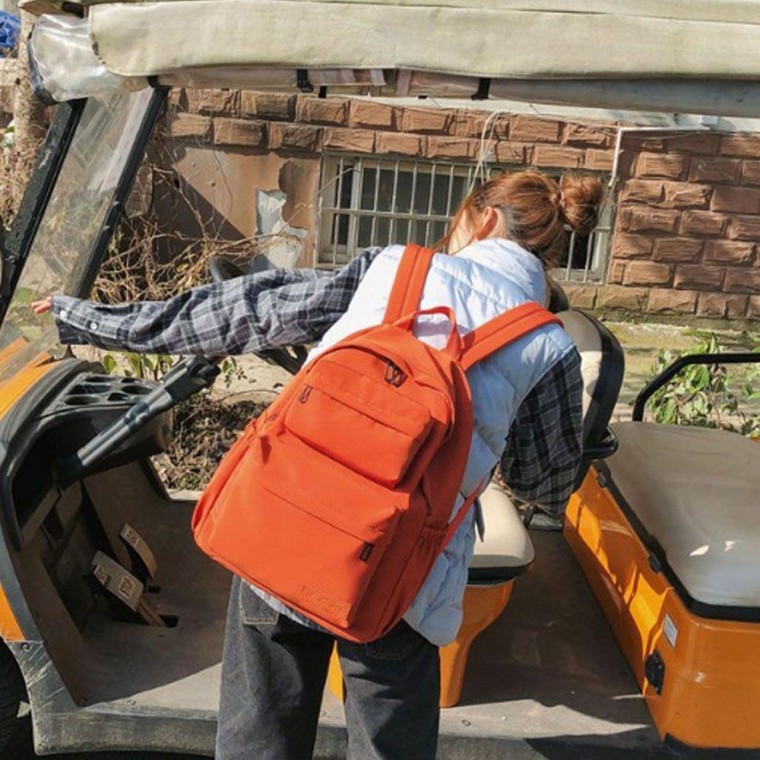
(696, 494)
(506, 550)
(588, 340)
(602, 367)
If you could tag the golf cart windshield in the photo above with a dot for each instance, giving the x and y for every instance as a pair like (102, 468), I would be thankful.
(72, 231)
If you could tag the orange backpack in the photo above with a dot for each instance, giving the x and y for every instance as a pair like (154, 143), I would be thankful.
(338, 499)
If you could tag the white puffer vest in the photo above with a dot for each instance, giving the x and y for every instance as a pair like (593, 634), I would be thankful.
(479, 283)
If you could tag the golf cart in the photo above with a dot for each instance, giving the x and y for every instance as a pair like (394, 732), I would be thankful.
(112, 620)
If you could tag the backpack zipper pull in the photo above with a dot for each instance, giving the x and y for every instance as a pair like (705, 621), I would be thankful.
(394, 375)
(366, 552)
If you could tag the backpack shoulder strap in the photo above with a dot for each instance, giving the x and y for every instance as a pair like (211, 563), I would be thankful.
(506, 328)
(410, 280)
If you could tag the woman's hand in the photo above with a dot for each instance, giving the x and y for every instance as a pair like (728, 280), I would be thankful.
(40, 307)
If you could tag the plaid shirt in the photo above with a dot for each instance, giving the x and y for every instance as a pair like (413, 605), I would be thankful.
(283, 307)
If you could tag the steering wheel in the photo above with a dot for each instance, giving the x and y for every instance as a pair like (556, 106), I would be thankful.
(290, 358)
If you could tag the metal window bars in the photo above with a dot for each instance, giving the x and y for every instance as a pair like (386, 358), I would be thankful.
(368, 201)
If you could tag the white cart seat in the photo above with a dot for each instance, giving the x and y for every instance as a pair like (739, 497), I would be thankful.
(693, 494)
(506, 550)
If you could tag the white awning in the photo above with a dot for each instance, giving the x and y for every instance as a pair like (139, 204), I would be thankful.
(482, 38)
(506, 40)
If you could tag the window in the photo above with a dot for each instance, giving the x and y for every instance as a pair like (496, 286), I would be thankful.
(378, 201)
(585, 259)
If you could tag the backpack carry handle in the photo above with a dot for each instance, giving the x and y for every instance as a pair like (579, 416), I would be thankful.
(454, 344)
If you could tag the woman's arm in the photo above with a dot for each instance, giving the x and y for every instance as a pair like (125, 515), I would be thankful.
(248, 314)
(545, 442)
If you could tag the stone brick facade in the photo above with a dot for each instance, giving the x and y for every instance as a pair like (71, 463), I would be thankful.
(687, 221)
(688, 224)
(686, 237)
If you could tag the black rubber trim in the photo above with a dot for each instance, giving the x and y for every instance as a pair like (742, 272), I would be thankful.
(121, 193)
(20, 237)
(692, 752)
(491, 576)
(484, 89)
(302, 81)
(701, 609)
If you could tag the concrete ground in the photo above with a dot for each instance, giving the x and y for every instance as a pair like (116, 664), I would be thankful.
(546, 677)
(545, 681)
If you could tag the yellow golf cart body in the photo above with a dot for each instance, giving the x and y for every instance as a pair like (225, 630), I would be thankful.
(112, 620)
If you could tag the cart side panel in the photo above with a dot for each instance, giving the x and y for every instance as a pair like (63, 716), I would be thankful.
(710, 691)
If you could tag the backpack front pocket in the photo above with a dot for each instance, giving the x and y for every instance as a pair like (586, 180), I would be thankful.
(321, 562)
(361, 421)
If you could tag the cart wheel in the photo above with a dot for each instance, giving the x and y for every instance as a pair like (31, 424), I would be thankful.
(12, 693)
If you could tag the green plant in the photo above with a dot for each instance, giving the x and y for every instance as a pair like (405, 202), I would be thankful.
(141, 366)
(155, 366)
(702, 395)
(231, 371)
(7, 137)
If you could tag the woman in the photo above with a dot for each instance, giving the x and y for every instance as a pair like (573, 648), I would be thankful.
(527, 413)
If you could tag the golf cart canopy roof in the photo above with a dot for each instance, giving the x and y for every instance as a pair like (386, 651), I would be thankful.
(677, 54)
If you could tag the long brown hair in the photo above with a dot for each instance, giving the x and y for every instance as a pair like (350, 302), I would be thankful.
(535, 210)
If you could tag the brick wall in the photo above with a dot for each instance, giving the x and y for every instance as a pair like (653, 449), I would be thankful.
(688, 205)
(687, 227)
(307, 124)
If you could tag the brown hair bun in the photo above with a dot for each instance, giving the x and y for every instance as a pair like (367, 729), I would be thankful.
(535, 210)
(579, 201)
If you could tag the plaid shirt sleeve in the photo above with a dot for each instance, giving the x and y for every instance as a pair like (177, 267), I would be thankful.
(247, 314)
(295, 306)
(544, 445)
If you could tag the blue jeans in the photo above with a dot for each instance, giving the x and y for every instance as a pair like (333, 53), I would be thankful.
(273, 676)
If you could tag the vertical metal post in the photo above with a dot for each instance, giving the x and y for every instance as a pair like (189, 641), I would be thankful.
(336, 215)
(356, 199)
(394, 210)
(450, 197)
(375, 199)
(430, 203)
(570, 249)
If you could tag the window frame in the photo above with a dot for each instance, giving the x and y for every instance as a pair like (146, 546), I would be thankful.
(330, 253)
